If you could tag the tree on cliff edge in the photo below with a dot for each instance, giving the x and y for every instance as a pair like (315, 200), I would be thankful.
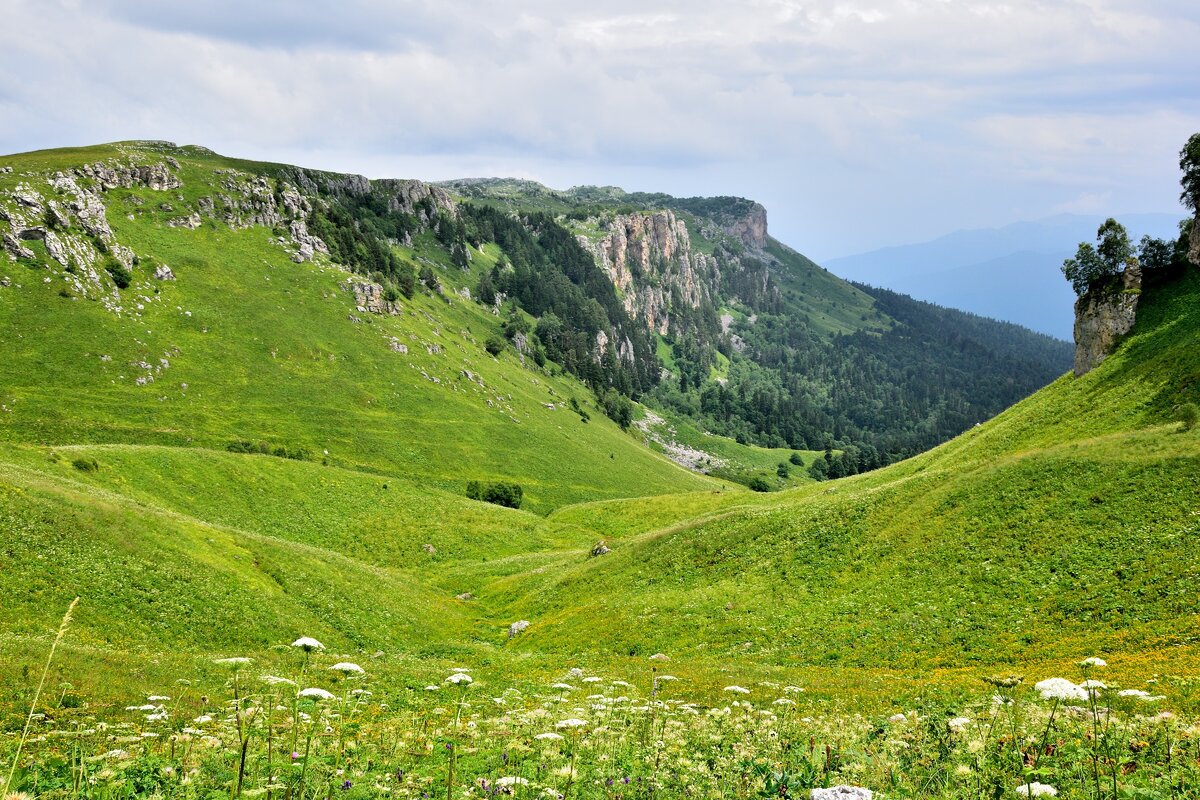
(1094, 264)
(1189, 164)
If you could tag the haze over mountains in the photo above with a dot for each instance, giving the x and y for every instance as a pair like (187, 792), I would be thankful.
(1010, 273)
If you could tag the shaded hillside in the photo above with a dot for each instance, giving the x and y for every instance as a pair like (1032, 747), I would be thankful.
(762, 345)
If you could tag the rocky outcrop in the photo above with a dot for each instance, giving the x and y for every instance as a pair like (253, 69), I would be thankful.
(368, 297)
(751, 228)
(126, 176)
(13, 246)
(422, 200)
(306, 243)
(1194, 242)
(249, 200)
(649, 259)
(416, 198)
(1103, 315)
(191, 222)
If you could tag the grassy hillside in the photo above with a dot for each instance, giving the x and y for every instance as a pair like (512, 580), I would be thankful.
(247, 345)
(1064, 525)
(762, 345)
(1030, 537)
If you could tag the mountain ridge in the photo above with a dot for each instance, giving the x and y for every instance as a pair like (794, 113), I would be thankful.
(741, 346)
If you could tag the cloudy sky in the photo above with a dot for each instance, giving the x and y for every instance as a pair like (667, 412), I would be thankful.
(858, 123)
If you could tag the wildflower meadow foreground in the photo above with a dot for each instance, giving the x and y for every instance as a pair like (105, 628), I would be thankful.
(328, 729)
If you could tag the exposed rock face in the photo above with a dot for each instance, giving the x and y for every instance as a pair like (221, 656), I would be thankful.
(752, 228)
(1194, 246)
(407, 196)
(113, 176)
(649, 258)
(306, 243)
(1103, 316)
(415, 197)
(13, 246)
(164, 273)
(191, 222)
(369, 298)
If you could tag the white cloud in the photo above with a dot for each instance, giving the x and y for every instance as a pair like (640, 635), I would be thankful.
(914, 114)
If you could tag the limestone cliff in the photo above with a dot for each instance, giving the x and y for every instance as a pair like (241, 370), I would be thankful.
(649, 259)
(414, 197)
(750, 227)
(1194, 242)
(1103, 315)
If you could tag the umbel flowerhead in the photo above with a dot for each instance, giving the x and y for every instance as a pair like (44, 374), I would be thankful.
(308, 644)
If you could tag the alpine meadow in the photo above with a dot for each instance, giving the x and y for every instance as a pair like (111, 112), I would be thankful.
(321, 487)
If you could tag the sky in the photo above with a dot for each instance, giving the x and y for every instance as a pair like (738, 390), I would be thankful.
(857, 123)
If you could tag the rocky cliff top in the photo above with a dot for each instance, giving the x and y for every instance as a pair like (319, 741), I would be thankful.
(1103, 315)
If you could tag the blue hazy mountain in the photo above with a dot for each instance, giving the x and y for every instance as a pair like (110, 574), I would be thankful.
(1009, 273)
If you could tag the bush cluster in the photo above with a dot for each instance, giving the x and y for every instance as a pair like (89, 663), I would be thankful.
(500, 493)
(267, 449)
(120, 274)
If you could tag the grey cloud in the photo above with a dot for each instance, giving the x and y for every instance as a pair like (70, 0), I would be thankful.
(896, 110)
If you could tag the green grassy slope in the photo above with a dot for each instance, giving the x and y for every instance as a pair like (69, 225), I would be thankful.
(259, 348)
(1061, 528)
(1066, 524)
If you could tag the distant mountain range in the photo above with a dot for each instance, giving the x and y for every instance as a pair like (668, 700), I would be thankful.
(1009, 273)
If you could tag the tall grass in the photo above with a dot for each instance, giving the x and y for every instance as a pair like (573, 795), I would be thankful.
(62, 631)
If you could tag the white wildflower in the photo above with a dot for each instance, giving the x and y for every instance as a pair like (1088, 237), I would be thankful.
(460, 677)
(316, 693)
(234, 661)
(347, 668)
(594, 679)
(841, 793)
(575, 672)
(784, 701)
(737, 689)
(1036, 789)
(511, 780)
(1093, 661)
(308, 644)
(573, 722)
(897, 718)
(1145, 697)
(660, 657)
(1060, 689)
(275, 680)
(548, 736)
(958, 724)
(792, 690)
(566, 687)
(158, 698)
(431, 688)
(667, 678)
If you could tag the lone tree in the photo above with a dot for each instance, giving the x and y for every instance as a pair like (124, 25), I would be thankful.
(1092, 265)
(1189, 164)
